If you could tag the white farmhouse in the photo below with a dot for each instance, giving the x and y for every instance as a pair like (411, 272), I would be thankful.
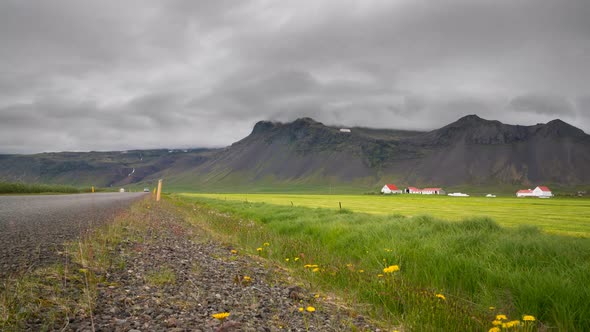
(542, 192)
(525, 193)
(344, 130)
(412, 190)
(390, 189)
(433, 191)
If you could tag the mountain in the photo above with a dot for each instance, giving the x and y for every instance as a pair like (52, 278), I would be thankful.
(306, 154)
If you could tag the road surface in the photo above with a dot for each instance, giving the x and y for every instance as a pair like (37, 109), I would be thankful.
(33, 228)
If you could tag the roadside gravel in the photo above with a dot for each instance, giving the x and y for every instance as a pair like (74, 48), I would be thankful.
(176, 278)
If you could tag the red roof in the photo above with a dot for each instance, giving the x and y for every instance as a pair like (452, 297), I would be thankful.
(544, 188)
(524, 191)
(391, 187)
(432, 189)
(413, 188)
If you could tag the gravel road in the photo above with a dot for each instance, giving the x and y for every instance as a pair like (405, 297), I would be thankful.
(33, 228)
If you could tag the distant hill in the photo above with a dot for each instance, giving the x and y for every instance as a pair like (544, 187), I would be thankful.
(305, 155)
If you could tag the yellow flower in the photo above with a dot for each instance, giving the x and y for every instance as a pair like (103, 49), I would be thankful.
(501, 317)
(296, 259)
(315, 269)
(316, 296)
(496, 322)
(83, 270)
(492, 308)
(300, 309)
(379, 276)
(310, 309)
(528, 318)
(266, 244)
(348, 265)
(286, 259)
(221, 315)
(442, 297)
(259, 249)
(247, 279)
(511, 323)
(361, 271)
(391, 269)
(494, 329)
(233, 251)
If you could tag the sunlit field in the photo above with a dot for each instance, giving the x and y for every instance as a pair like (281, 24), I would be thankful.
(569, 216)
(417, 271)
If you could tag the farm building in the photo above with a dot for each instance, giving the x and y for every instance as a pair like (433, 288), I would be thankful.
(412, 190)
(539, 191)
(344, 130)
(390, 189)
(433, 191)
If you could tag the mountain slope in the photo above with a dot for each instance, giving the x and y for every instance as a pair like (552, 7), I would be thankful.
(306, 154)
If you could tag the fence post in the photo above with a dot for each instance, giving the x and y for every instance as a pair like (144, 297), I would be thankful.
(92, 188)
(159, 192)
(340, 204)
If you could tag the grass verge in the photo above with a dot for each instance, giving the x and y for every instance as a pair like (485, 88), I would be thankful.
(452, 275)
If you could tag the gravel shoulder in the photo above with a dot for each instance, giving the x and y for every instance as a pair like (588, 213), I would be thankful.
(164, 273)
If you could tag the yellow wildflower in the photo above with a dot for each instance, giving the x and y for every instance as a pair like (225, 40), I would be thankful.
(496, 322)
(379, 276)
(511, 324)
(494, 329)
(266, 244)
(361, 271)
(233, 251)
(296, 259)
(247, 279)
(286, 259)
(442, 297)
(315, 269)
(259, 249)
(221, 315)
(528, 318)
(391, 269)
(310, 309)
(307, 265)
(316, 295)
(492, 308)
(300, 309)
(501, 317)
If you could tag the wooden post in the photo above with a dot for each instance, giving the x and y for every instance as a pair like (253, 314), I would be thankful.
(92, 188)
(159, 192)
(340, 203)
(291, 203)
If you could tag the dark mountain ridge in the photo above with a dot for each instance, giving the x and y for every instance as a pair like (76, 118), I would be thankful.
(469, 151)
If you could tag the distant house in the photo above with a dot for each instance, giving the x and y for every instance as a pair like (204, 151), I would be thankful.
(525, 193)
(458, 195)
(390, 189)
(345, 130)
(539, 191)
(433, 191)
(412, 190)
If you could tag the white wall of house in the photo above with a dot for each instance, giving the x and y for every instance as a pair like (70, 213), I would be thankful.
(386, 190)
(539, 192)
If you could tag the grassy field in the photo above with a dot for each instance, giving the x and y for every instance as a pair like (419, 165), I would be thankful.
(453, 276)
(569, 216)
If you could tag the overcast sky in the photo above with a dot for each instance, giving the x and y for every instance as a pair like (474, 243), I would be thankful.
(114, 75)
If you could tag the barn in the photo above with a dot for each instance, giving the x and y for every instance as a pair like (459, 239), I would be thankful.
(390, 189)
(525, 193)
(433, 191)
(542, 191)
(412, 190)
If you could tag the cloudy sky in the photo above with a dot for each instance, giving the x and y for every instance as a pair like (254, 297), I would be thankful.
(84, 75)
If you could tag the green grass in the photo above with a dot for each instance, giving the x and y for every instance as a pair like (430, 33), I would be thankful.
(570, 216)
(475, 263)
(38, 188)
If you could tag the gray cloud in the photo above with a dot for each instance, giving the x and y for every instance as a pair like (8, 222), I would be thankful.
(107, 75)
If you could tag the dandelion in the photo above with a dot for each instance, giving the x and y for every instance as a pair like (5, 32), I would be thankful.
(511, 324)
(501, 317)
(296, 259)
(391, 269)
(286, 259)
(528, 318)
(492, 308)
(233, 251)
(315, 269)
(247, 279)
(379, 276)
(310, 309)
(361, 271)
(307, 266)
(266, 244)
(259, 249)
(494, 329)
(301, 309)
(316, 296)
(348, 265)
(496, 322)
(442, 297)
(221, 316)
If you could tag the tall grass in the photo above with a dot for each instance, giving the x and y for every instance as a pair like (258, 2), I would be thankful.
(38, 188)
(474, 264)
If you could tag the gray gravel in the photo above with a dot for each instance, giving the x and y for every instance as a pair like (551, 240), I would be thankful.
(33, 228)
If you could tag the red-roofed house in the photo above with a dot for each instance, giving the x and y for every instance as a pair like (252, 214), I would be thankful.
(412, 190)
(542, 191)
(525, 193)
(390, 189)
(433, 191)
